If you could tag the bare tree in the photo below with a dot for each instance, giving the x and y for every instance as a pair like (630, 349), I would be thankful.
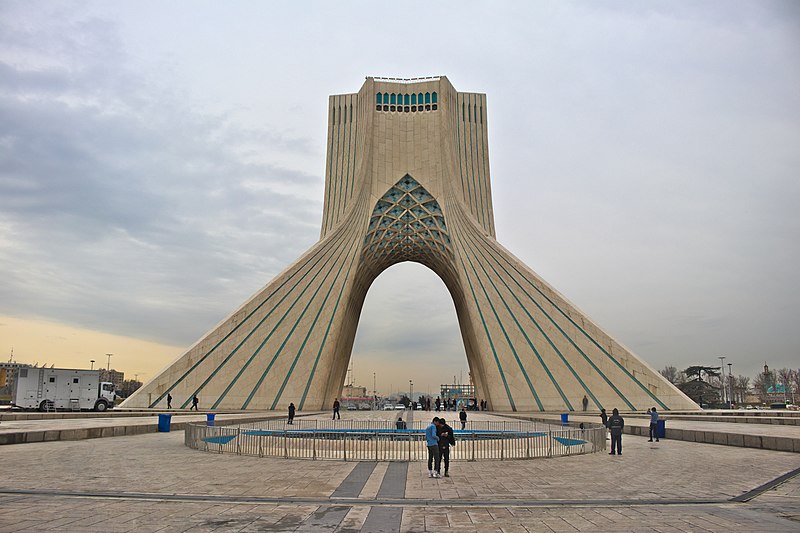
(761, 383)
(742, 386)
(785, 376)
(796, 383)
(672, 374)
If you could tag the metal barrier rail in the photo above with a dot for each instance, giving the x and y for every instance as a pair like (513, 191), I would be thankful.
(360, 440)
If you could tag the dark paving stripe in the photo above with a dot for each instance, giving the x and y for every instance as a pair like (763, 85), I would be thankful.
(394, 482)
(383, 520)
(354, 483)
(326, 518)
(758, 491)
(405, 502)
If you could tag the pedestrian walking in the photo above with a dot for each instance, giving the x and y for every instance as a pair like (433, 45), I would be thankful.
(432, 442)
(195, 401)
(463, 417)
(653, 424)
(585, 402)
(438, 404)
(446, 439)
(603, 418)
(336, 410)
(615, 425)
(169, 401)
(291, 414)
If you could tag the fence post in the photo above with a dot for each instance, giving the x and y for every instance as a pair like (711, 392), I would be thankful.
(238, 440)
(550, 442)
(473, 446)
(344, 445)
(285, 445)
(314, 445)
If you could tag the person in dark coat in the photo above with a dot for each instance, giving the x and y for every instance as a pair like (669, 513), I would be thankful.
(446, 439)
(463, 417)
(195, 401)
(615, 425)
(400, 424)
(291, 414)
(585, 402)
(336, 410)
(169, 401)
(603, 418)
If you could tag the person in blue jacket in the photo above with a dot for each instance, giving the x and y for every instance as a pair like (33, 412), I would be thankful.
(434, 455)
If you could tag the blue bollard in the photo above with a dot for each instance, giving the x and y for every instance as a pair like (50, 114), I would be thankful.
(564, 419)
(210, 419)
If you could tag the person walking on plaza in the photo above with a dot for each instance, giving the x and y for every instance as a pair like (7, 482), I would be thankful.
(463, 417)
(653, 424)
(291, 414)
(195, 401)
(585, 402)
(336, 410)
(438, 404)
(169, 401)
(432, 441)
(615, 425)
(446, 439)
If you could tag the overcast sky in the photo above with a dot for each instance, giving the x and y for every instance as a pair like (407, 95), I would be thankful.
(162, 161)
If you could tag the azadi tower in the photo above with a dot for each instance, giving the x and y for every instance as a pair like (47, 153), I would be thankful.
(407, 179)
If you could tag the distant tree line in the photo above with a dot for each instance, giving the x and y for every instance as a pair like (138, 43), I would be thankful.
(704, 384)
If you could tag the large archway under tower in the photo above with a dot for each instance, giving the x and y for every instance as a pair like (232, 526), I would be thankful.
(405, 185)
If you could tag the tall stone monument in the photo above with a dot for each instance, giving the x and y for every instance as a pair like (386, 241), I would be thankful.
(407, 179)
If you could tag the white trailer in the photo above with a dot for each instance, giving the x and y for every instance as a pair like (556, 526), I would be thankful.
(48, 389)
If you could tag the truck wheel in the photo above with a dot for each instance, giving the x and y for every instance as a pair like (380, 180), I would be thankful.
(43, 406)
(100, 406)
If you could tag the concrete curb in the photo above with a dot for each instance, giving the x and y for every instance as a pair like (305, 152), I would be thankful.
(50, 435)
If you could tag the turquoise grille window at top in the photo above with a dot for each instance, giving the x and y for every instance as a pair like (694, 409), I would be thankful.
(407, 103)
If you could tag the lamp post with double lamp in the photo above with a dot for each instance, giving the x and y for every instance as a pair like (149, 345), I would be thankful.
(92, 367)
(722, 376)
(109, 361)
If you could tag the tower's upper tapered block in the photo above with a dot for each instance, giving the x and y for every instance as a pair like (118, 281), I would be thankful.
(407, 179)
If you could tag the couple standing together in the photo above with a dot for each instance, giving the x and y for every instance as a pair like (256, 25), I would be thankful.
(439, 437)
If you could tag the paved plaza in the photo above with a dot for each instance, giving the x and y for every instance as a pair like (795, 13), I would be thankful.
(152, 482)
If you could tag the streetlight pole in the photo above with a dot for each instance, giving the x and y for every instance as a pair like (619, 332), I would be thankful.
(411, 393)
(92, 367)
(109, 360)
(374, 393)
(722, 369)
(730, 384)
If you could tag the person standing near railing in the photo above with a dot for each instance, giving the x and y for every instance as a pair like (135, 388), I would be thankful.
(291, 414)
(432, 441)
(615, 425)
(446, 439)
(336, 410)
(463, 417)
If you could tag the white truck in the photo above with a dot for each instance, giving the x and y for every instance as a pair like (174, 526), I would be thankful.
(48, 389)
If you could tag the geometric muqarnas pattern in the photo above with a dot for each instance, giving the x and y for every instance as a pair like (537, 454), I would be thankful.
(407, 179)
(407, 224)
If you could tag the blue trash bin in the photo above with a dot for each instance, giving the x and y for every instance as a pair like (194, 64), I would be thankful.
(163, 423)
(210, 419)
(661, 429)
(564, 419)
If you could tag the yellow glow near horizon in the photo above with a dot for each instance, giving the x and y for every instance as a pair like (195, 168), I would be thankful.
(45, 342)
